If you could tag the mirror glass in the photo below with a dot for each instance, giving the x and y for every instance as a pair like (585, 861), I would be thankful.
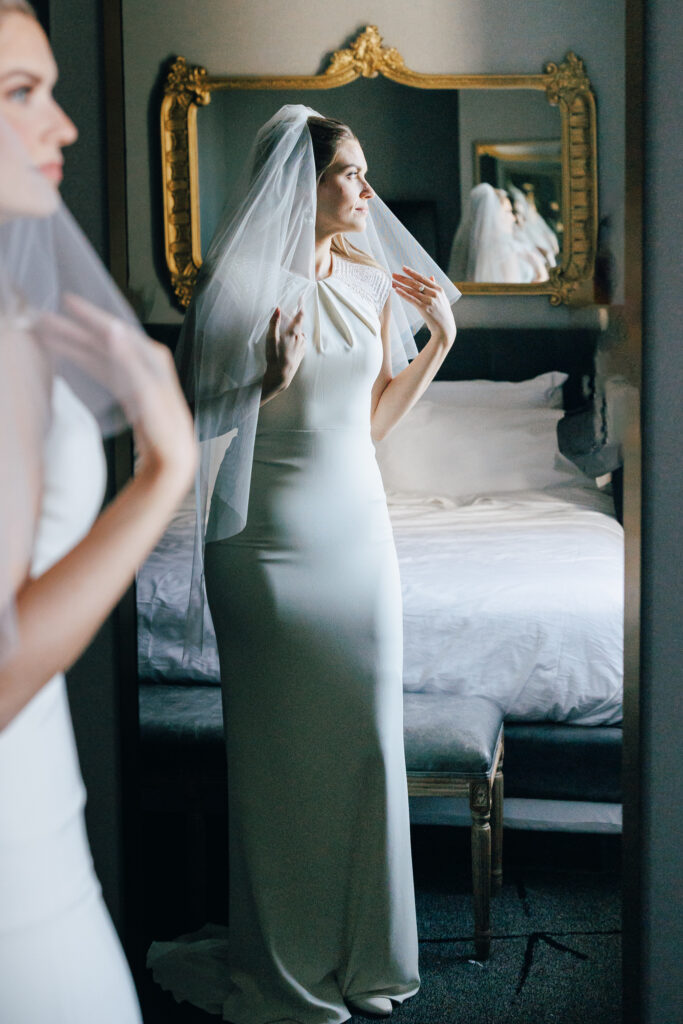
(427, 151)
(421, 146)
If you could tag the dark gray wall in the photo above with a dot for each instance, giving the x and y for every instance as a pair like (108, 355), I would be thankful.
(76, 37)
(662, 588)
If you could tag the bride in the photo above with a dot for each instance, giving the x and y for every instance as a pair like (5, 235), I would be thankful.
(487, 246)
(63, 362)
(289, 352)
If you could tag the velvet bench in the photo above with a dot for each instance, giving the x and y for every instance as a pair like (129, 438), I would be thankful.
(454, 747)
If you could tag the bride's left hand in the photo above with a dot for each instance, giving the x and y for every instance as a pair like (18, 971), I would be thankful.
(429, 297)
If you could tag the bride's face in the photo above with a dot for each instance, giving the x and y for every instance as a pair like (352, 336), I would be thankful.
(33, 127)
(344, 192)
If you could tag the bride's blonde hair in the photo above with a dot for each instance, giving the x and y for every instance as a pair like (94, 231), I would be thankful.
(327, 135)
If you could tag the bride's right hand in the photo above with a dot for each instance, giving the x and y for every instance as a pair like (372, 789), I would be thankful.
(285, 348)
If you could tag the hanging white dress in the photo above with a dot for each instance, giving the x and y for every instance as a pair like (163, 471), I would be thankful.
(60, 958)
(306, 603)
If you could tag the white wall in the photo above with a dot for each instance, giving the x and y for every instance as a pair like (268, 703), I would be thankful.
(271, 37)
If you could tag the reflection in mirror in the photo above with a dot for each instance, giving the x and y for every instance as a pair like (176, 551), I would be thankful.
(502, 236)
(534, 168)
(418, 145)
(509, 552)
(527, 177)
(495, 243)
(409, 137)
(419, 131)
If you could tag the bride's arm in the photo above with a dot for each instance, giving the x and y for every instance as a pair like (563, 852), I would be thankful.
(58, 613)
(392, 397)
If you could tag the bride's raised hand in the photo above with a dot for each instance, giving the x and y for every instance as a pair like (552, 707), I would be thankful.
(429, 297)
(59, 611)
(285, 348)
(139, 373)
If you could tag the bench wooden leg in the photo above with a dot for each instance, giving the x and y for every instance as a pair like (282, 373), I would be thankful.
(480, 806)
(497, 833)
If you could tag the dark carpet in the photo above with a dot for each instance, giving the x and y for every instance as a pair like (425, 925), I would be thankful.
(555, 954)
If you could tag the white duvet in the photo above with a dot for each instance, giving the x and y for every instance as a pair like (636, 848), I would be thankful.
(518, 597)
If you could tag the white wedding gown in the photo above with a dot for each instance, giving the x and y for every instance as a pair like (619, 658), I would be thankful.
(60, 958)
(306, 603)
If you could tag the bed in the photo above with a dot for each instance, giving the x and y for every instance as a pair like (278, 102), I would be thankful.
(511, 564)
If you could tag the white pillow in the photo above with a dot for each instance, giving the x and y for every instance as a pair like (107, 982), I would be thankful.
(460, 453)
(544, 391)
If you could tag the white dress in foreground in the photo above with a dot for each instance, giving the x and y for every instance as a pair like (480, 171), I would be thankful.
(60, 958)
(306, 603)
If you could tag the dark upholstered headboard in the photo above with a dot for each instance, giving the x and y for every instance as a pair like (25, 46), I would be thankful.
(504, 353)
(500, 353)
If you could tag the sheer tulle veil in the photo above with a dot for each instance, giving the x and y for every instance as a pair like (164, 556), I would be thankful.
(481, 251)
(537, 232)
(261, 256)
(44, 260)
(485, 250)
(24, 391)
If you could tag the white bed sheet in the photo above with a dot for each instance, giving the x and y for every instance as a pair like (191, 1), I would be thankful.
(518, 597)
(163, 592)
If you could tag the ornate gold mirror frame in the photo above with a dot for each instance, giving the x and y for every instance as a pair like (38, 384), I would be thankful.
(566, 85)
(524, 151)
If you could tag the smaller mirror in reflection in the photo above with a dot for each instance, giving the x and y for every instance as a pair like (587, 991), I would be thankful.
(511, 230)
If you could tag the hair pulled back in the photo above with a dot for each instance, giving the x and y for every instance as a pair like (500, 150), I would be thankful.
(327, 135)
